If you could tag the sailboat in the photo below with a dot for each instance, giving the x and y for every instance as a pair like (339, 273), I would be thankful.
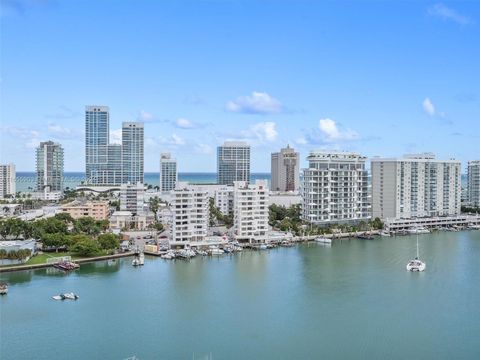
(416, 264)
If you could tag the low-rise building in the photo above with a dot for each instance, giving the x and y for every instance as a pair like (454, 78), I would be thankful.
(96, 209)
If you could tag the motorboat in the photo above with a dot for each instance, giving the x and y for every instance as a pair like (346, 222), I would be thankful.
(136, 261)
(169, 255)
(474, 227)
(3, 288)
(66, 296)
(418, 230)
(384, 233)
(416, 264)
(323, 240)
(216, 251)
(365, 236)
(262, 247)
(286, 243)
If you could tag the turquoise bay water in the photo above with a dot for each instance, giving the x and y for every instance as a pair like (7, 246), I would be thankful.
(351, 300)
(26, 180)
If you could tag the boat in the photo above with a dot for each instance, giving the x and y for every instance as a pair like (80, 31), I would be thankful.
(416, 264)
(136, 261)
(215, 250)
(169, 255)
(385, 233)
(323, 240)
(286, 243)
(418, 230)
(66, 296)
(66, 265)
(262, 247)
(3, 288)
(141, 259)
(365, 237)
(474, 227)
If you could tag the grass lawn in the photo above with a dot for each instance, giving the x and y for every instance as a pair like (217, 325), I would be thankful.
(42, 258)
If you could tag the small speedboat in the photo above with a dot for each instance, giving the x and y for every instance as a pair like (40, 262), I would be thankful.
(385, 233)
(3, 288)
(66, 296)
(262, 247)
(136, 262)
(216, 251)
(323, 240)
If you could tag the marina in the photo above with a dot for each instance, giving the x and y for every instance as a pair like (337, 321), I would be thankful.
(289, 297)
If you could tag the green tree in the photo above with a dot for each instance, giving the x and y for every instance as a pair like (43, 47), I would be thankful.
(55, 240)
(86, 225)
(108, 241)
(65, 217)
(85, 246)
(154, 205)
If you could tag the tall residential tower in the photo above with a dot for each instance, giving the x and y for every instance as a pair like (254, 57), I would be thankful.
(233, 162)
(415, 186)
(168, 172)
(132, 152)
(285, 170)
(335, 188)
(49, 167)
(474, 183)
(7, 180)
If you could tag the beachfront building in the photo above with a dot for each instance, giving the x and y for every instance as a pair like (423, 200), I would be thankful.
(224, 200)
(132, 152)
(168, 172)
(285, 170)
(250, 214)
(335, 188)
(49, 166)
(233, 162)
(190, 213)
(103, 161)
(7, 180)
(81, 208)
(132, 198)
(415, 186)
(473, 183)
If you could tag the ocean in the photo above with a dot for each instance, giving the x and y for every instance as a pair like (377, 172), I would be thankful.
(26, 180)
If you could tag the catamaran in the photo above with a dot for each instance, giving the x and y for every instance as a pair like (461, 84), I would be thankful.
(416, 264)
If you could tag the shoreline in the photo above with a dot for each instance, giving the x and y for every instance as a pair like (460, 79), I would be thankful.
(78, 261)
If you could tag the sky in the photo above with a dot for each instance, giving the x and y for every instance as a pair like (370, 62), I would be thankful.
(380, 78)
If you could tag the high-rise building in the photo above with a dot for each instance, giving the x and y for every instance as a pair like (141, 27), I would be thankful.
(415, 186)
(168, 172)
(250, 216)
(474, 183)
(190, 213)
(233, 162)
(132, 152)
(132, 198)
(49, 167)
(7, 180)
(335, 188)
(285, 170)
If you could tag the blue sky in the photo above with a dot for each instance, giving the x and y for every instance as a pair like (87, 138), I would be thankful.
(380, 78)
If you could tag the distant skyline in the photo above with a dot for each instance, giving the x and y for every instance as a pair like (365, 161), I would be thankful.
(378, 78)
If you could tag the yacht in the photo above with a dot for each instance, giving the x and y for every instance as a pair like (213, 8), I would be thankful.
(418, 230)
(262, 247)
(323, 240)
(385, 233)
(214, 250)
(416, 264)
(3, 288)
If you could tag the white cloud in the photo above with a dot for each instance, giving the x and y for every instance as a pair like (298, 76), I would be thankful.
(446, 13)
(265, 131)
(177, 140)
(60, 132)
(145, 116)
(256, 103)
(204, 149)
(301, 141)
(32, 143)
(332, 133)
(428, 106)
(116, 136)
(184, 123)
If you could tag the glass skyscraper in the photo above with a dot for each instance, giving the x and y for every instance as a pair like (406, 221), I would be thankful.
(49, 167)
(233, 162)
(168, 172)
(132, 152)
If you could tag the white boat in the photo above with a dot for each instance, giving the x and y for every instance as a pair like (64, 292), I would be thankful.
(323, 240)
(141, 259)
(262, 247)
(70, 296)
(136, 261)
(215, 250)
(474, 227)
(385, 233)
(418, 230)
(416, 264)
(3, 289)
